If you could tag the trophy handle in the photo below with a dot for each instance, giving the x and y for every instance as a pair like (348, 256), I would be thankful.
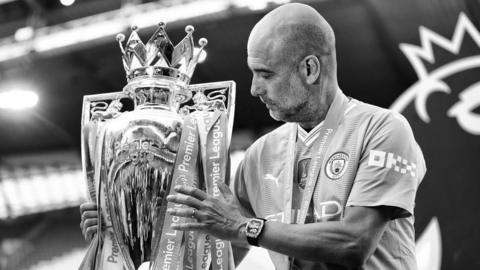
(211, 96)
(96, 111)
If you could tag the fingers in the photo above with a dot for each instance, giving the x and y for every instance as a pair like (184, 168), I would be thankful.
(88, 206)
(185, 199)
(89, 217)
(194, 192)
(183, 212)
(90, 232)
(189, 226)
(89, 214)
(89, 227)
(90, 222)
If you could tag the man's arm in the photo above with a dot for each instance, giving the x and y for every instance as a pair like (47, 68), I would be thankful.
(350, 241)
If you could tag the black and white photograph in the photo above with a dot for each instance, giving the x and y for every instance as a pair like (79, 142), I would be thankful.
(239, 134)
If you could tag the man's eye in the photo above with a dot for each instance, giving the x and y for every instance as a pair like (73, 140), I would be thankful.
(265, 75)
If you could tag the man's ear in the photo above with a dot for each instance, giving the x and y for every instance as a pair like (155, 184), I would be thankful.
(310, 68)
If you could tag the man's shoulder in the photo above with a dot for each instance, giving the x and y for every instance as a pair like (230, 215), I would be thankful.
(279, 132)
(270, 139)
(390, 128)
(375, 115)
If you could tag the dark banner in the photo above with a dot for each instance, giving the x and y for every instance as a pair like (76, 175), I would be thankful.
(443, 110)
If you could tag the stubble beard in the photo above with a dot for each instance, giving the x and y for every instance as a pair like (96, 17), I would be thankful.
(297, 112)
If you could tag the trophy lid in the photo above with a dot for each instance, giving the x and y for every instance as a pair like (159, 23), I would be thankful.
(158, 59)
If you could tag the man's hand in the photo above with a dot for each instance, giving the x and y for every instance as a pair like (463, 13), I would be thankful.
(89, 222)
(218, 217)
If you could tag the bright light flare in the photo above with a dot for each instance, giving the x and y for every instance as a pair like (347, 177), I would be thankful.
(257, 4)
(254, 4)
(203, 55)
(18, 99)
(24, 33)
(67, 2)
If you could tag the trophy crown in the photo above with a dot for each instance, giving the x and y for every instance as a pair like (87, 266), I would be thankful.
(158, 58)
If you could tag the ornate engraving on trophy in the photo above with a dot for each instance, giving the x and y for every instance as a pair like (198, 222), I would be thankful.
(102, 111)
(206, 100)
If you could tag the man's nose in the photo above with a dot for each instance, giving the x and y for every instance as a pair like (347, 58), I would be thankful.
(256, 89)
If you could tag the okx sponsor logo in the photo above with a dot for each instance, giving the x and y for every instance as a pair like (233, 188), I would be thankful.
(391, 161)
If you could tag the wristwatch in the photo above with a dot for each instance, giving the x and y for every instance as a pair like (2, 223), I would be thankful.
(254, 229)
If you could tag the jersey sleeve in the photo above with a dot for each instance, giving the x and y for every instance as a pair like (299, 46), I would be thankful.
(390, 168)
(239, 191)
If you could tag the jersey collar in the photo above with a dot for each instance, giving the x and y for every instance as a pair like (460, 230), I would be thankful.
(309, 137)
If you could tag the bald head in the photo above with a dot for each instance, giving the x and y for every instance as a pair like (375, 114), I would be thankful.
(292, 31)
(291, 53)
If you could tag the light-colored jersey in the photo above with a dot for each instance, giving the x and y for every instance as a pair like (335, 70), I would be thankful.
(372, 160)
(304, 152)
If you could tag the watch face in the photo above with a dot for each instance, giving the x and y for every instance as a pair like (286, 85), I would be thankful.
(254, 227)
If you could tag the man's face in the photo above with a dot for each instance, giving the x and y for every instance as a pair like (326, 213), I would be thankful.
(277, 82)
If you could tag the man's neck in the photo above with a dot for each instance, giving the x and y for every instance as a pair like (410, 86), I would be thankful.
(308, 126)
(320, 113)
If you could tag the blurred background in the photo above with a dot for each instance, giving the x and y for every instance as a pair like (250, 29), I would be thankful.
(419, 57)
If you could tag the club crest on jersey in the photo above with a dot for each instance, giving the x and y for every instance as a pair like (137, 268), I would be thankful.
(336, 165)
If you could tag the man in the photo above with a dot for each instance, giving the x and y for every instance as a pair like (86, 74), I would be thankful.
(336, 183)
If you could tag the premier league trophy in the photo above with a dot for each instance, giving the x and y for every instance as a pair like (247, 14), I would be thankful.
(137, 144)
